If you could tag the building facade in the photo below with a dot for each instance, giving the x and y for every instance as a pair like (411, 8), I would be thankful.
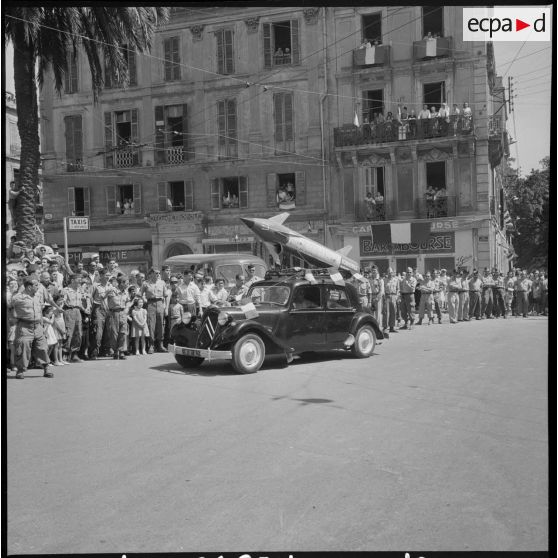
(251, 112)
(11, 156)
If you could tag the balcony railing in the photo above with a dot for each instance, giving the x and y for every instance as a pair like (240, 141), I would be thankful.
(74, 166)
(386, 132)
(378, 55)
(432, 48)
(378, 211)
(175, 155)
(494, 125)
(441, 206)
(124, 158)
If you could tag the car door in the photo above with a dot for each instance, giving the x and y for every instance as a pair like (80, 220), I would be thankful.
(339, 312)
(304, 327)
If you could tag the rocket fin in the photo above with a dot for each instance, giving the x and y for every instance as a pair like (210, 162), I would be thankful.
(345, 250)
(279, 219)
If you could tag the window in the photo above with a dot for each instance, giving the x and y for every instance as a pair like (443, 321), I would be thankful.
(171, 134)
(130, 56)
(171, 47)
(281, 43)
(433, 21)
(229, 193)
(225, 52)
(123, 199)
(176, 196)
(337, 298)
(74, 145)
(372, 27)
(436, 175)
(15, 143)
(373, 103)
(434, 94)
(283, 112)
(307, 298)
(71, 75)
(122, 138)
(374, 180)
(286, 190)
(78, 202)
(226, 121)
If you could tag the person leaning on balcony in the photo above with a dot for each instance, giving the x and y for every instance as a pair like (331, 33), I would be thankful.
(467, 117)
(455, 115)
(424, 113)
(412, 124)
(370, 203)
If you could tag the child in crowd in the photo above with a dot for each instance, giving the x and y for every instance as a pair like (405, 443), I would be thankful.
(59, 327)
(175, 311)
(50, 334)
(139, 330)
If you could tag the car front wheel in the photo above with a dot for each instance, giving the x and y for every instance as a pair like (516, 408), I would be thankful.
(189, 362)
(365, 342)
(248, 354)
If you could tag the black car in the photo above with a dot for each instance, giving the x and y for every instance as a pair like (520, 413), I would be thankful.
(283, 314)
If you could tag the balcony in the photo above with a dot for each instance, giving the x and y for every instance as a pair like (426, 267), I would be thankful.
(74, 166)
(123, 158)
(395, 131)
(379, 211)
(378, 55)
(495, 125)
(431, 48)
(175, 155)
(443, 206)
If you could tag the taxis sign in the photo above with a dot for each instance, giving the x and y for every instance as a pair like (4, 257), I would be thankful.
(78, 223)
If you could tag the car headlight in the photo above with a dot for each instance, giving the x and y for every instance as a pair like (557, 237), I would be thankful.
(186, 318)
(223, 318)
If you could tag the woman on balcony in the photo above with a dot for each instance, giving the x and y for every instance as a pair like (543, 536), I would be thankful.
(467, 117)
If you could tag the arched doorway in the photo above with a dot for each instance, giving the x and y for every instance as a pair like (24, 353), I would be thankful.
(178, 249)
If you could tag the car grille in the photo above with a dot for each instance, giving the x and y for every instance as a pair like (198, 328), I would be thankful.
(208, 329)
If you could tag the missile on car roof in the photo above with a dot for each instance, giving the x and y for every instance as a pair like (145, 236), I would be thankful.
(277, 237)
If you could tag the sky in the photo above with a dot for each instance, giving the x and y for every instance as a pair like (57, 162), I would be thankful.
(530, 66)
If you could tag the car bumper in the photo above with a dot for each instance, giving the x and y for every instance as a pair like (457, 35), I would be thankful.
(200, 353)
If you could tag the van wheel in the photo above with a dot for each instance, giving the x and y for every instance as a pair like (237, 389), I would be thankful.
(189, 362)
(248, 354)
(365, 342)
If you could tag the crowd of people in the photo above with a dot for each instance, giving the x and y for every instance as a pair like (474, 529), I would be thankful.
(60, 314)
(399, 301)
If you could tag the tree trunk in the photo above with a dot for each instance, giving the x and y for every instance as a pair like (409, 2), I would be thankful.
(28, 125)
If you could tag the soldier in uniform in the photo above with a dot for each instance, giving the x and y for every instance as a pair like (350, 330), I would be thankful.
(426, 298)
(100, 313)
(498, 292)
(376, 295)
(73, 307)
(29, 334)
(453, 292)
(407, 288)
(363, 288)
(118, 305)
(157, 296)
(475, 286)
(463, 310)
(487, 301)
(510, 293)
(522, 288)
(86, 289)
(439, 294)
(391, 290)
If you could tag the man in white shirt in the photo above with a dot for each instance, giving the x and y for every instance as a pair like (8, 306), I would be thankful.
(189, 294)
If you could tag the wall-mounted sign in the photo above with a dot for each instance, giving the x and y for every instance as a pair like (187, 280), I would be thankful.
(439, 243)
(175, 216)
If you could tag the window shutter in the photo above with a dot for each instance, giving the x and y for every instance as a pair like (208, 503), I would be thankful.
(215, 194)
(229, 52)
(162, 196)
(137, 198)
(159, 135)
(188, 195)
(220, 52)
(135, 135)
(443, 92)
(78, 142)
(167, 56)
(86, 201)
(267, 45)
(231, 128)
(278, 102)
(272, 186)
(185, 133)
(132, 72)
(71, 201)
(109, 156)
(288, 110)
(221, 123)
(111, 199)
(242, 191)
(175, 59)
(69, 134)
(295, 46)
(300, 188)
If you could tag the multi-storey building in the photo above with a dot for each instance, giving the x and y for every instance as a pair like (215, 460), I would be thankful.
(11, 157)
(246, 111)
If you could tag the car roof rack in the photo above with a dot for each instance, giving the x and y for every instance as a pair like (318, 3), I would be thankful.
(292, 272)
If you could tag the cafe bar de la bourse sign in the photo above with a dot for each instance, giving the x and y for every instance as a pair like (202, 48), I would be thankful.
(440, 241)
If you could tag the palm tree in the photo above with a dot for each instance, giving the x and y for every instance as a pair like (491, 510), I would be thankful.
(46, 38)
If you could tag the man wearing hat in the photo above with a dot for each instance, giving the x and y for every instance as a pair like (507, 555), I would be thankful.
(29, 333)
(475, 288)
(189, 294)
(157, 295)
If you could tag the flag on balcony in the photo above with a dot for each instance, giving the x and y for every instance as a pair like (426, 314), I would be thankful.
(381, 234)
(420, 232)
(400, 233)
(431, 46)
(355, 120)
(370, 54)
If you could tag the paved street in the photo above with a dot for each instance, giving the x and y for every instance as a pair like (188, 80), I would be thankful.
(438, 442)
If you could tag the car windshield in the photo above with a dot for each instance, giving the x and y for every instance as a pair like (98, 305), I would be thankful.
(270, 294)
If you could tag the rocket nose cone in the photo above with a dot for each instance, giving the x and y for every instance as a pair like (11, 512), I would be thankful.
(248, 222)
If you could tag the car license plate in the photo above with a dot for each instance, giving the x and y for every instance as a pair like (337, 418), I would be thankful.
(190, 352)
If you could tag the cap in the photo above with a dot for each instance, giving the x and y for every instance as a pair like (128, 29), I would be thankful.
(54, 246)
(198, 276)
